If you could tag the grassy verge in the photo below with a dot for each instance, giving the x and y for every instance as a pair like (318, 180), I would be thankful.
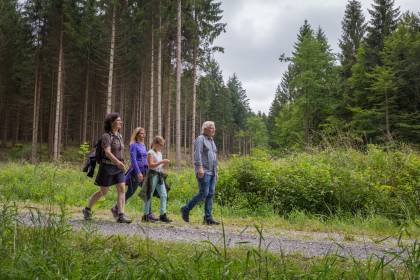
(64, 184)
(54, 251)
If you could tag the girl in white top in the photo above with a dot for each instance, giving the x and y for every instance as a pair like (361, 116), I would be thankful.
(156, 163)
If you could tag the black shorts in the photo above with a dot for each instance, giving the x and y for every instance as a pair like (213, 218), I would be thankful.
(109, 175)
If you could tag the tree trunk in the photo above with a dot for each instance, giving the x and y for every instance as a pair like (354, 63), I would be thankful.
(168, 111)
(387, 126)
(51, 122)
(111, 63)
(85, 105)
(159, 76)
(17, 126)
(185, 128)
(194, 100)
(122, 107)
(178, 89)
(151, 132)
(59, 101)
(194, 88)
(37, 97)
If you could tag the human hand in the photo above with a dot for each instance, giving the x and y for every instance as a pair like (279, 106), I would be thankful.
(140, 177)
(200, 172)
(165, 161)
(121, 165)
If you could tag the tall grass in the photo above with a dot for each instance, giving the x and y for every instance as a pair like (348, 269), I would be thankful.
(44, 247)
(64, 184)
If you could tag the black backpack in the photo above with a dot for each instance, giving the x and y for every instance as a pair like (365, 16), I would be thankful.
(93, 158)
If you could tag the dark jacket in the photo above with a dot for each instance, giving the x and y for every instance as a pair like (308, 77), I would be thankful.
(146, 190)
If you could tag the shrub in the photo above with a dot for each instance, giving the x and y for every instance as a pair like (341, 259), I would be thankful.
(327, 182)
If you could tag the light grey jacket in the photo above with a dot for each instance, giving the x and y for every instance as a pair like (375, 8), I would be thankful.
(205, 154)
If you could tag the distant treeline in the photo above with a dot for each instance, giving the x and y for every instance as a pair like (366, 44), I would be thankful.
(368, 93)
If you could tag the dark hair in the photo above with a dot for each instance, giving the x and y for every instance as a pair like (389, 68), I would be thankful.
(109, 119)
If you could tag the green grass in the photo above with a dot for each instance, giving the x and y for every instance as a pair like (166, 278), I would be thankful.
(64, 184)
(54, 251)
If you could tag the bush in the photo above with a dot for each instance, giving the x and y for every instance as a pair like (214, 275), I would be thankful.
(327, 182)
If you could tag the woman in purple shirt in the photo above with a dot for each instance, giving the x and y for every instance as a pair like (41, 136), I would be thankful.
(138, 167)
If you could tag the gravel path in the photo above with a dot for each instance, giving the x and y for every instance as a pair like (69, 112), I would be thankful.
(310, 246)
(307, 244)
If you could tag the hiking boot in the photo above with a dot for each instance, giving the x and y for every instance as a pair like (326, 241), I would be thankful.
(114, 211)
(87, 214)
(210, 221)
(153, 218)
(164, 218)
(123, 219)
(146, 219)
(185, 214)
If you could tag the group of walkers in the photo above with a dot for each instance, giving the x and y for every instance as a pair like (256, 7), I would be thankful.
(147, 170)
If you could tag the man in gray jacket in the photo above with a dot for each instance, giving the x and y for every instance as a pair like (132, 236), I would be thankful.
(205, 165)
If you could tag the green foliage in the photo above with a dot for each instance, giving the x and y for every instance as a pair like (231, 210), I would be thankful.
(304, 100)
(52, 250)
(328, 182)
(258, 130)
(83, 150)
(354, 27)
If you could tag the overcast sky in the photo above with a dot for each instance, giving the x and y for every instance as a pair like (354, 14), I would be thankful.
(258, 31)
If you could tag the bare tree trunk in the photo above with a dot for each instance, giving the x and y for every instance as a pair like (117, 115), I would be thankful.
(85, 107)
(168, 111)
(93, 131)
(159, 76)
(58, 112)
(178, 89)
(17, 126)
(185, 128)
(122, 107)
(387, 126)
(35, 124)
(194, 88)
(151, 132)
(111, 63)
(143, 101)
(6, 127)
(223, 142)
(51, 116)
(194, 101)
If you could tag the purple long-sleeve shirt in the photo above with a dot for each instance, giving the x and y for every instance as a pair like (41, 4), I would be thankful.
(138, 158)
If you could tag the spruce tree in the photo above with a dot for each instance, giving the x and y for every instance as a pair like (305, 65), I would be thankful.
(354, 28)
(384, 20)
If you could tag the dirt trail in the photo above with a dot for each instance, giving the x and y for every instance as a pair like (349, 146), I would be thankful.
(308, 244)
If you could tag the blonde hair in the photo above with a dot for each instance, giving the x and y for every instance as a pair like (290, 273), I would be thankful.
(158, 140)
(136, 131)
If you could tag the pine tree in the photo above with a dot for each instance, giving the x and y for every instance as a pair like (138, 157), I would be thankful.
(401, 58)
(384, 20)
(354, 27)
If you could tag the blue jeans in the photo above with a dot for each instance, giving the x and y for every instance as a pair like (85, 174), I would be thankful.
(206, 187)
(161, 189)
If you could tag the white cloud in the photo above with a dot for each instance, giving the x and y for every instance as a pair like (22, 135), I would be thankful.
(259, 31)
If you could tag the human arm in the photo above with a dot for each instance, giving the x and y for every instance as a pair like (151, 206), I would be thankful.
(198, 148)
(152, 163)
(106, 146)
(134, 162)
(113, 158)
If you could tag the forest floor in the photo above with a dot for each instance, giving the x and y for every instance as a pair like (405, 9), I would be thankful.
(275, 240)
